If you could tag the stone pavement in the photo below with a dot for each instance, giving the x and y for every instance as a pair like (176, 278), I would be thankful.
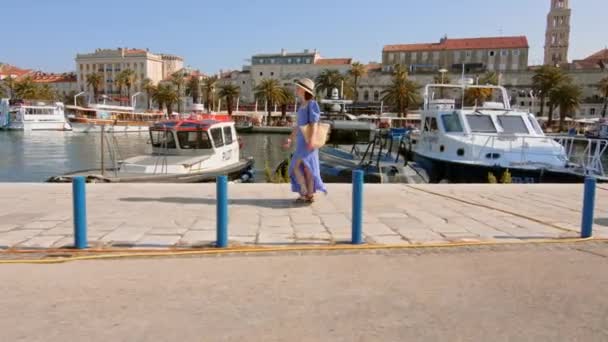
(170, 215)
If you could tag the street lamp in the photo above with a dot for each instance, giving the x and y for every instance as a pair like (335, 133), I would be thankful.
(133, 103)
(79, 94)
(443, 71)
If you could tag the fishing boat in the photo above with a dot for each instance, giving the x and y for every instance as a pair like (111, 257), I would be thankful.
(354, 145)
(32, 116)
(470, 134)
(183, 151)
(110, 118)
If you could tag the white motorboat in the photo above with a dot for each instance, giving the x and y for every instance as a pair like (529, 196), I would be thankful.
(475, 137)
(183, 151)
(32, 116)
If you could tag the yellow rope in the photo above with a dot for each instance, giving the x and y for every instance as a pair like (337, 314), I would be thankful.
(239, 250)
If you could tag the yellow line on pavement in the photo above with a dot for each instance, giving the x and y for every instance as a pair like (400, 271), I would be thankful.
(240, 250)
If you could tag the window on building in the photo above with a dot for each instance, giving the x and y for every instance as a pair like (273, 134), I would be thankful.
(261, 73)
(591, 111)
(504, 53)
(469, 54)
(376, 96)
(308, 60)
(492, 53)
(502, 67)
(288, 60)
(272, 73)
(366, 96)
(391, 58)
(272, 61)
(436, 55)
(456, 56)
(413, 56)
(515, 52)
(243, 82)
(425, 56)
(480, 54)
(522, 103)
(515, 67)
(402, 57)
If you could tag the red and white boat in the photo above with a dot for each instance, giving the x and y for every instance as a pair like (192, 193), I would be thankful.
(183, 151)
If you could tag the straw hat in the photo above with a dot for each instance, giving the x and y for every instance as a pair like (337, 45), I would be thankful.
(307, 84)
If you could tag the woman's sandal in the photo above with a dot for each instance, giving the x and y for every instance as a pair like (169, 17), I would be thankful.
(310, 199)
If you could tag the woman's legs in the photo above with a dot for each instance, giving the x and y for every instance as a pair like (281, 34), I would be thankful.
(304, 178)
(300, 177)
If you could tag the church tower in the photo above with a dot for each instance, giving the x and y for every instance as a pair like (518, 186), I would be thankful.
(557, 35)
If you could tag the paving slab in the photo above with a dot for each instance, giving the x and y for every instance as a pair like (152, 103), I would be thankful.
(130, 214)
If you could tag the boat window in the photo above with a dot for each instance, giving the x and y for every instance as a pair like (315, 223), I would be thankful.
(430, 125)
(535, 124)
(481, 123)
(228, 135)
(216, 134)
(451, 123)
(513, 124)
(194, 140)
(162, 139)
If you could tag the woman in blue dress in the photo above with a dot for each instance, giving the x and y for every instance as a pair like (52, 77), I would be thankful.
(304, 168)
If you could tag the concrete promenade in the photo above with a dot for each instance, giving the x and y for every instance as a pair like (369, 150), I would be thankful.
(163, 216)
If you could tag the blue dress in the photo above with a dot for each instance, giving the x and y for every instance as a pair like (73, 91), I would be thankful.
(306, 114)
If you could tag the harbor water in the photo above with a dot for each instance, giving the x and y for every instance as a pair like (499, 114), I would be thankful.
(36, 156)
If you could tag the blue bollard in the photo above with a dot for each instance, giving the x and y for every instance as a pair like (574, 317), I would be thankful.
(222, 211)
(357, 219)
(80, 212)
(588, 208)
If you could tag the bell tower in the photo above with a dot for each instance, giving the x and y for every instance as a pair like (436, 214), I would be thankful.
(557, 35)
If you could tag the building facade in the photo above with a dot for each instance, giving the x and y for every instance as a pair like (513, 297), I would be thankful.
(110, 62)
(557, 34)
(171, 64)
(284, 67)
(62, 84)
(472, 54)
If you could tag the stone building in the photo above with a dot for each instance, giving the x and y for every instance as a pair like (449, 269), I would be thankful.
(557, 34)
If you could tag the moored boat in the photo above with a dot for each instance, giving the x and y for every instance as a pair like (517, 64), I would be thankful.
(475, 137)
(114, 119)
(32, 116)
(183, 151)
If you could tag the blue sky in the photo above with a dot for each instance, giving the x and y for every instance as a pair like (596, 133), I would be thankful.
(221, 34)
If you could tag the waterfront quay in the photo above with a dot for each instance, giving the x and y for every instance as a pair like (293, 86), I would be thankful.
(39, 216)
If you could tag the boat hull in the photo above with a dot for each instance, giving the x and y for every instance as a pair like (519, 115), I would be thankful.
(38, 126)
(243, 171)
(453, 172)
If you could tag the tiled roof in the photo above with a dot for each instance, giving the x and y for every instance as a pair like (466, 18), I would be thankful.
(333, 61)
(134, 51)
(600, 55)
(463, 44)
(41, 77)
(7, 69)
(373, 66)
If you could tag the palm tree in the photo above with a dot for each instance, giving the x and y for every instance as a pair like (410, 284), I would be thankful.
(544, 80)
(149, 88)
(125, 80)
(2, 92)
(229, 92)
(179, 80)
(95, 81)
(26, 89)
(209, 90)
(288, 98)
(45, 92)
(567, 97)
(269, 91)
(402, 93)
(357, 71)
(9, 84)
(193, 88)
(328, 80)
(167, 95)
(603, 88)
(489, 78)
(476, 96)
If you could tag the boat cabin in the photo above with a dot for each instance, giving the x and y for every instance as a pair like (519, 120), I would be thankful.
(194, 137)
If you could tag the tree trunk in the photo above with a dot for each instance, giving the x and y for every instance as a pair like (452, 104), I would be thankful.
(356, 89)
(542, 105)
(605, 105)
(283, 111)
(169, 108)
(229, 105)
(149, 101)
(550, 115)
(562, 119)
(179, 99)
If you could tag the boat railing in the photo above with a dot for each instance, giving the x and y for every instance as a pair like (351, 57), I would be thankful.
(584, 153)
